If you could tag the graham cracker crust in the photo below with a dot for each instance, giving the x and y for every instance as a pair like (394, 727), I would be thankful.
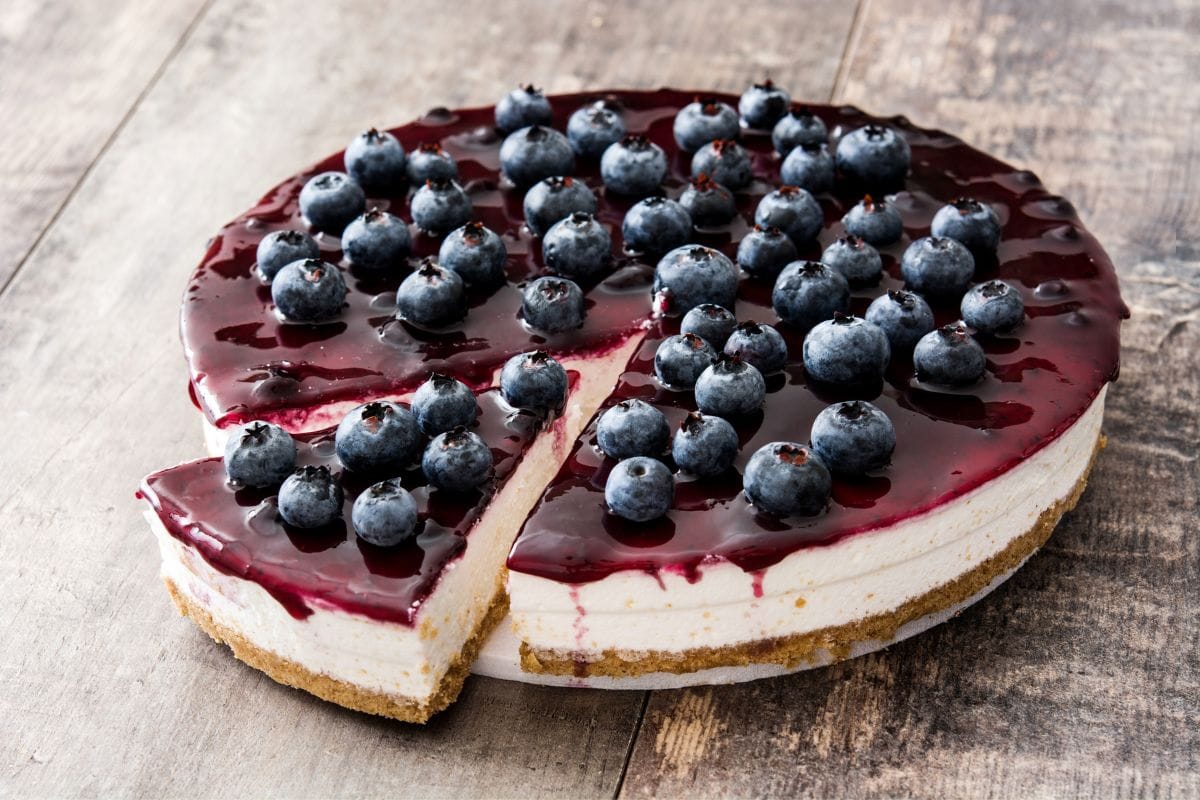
(792, 652)
(346, 694)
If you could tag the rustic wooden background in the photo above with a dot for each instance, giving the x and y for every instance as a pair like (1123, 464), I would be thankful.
(131, 129)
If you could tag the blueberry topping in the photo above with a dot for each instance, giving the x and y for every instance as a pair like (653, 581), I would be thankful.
(846, 350)
(632, 428)
(787, 478)
(310, 498)
(531, 154)
(280, 248)
(639, 489)
(764, 252)
(712, 323)
(704, 445)
(634, 166)
(429, 162)
(457, 461)
(853, 438)
(523, 106)
(859, 262)
(680, 360)
(797, 128)
(809, 166)
(730, 388)
(552, 199)
(329, 201)
(378, 437)
(937, 267)
(904, 318)
(691, 275)
(440, 206)
(376, 241)
(552, 305)
(431, 296)
(760, 345)
(725, 161)
(443, 403)
(993, 307)
(259, 454)
(970, 222)
(578, 246)
(807, 292)
(534, 381)
(308, 291)
(655, 226)
(950, 356)
(874, 156)
(876, 222)
(385, 514)
(707, 202)
(376, 160)
(763, 104)
(704, 121)
(593, 128)
(793, 210)
(476, 253)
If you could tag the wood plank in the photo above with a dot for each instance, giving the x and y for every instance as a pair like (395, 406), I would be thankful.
(1081, 676)
(105, 690)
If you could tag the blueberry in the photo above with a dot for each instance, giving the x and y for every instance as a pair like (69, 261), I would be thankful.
(378, 437)
(793, 210)
(552, 199)
(593, 128)
(443, 403)
(725, 161)
(712, 323)
(876, 222)
(703, 121)
(457, 461)
(534, 381)
(308, 291)
(874, 156)
(385, 514)
(730, 388)
(329, 201)
(578, 246)
(655, 226)
(639, 489)
(634, 166)
(310, 498)
(531, 154)
(763, 104)
(797, 128)
(859, 262)
(440, 206)
(949, 355)
(937, 267)
(376, 160)
(993, 307)
(523, 106)
(690, 275)
(376, 241)
(846, 350)
(552, 305)
(431, 296)
(763, 252)
(853, 438)
(787, 478)
(429, 162)
(904, 317)
(760, 345)
(704, 445)
(476, 253)
(807, 292)
(707, 202)
(280, 248)
(970, 222)
(632, 428)
(809, 166)
(679, 360)
(259, 454)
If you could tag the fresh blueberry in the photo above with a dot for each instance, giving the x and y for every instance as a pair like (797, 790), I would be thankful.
(259, 454)
(679, 360)
(384, 515)
(993, 307)
(457, 461)
(577, 247)
(793, 210)
(552, 305)
(874, 156)
(704, 445)
(904, 317)
(308, 291)
(763, 104)
(876, 222)
(970, 222)
(329, 201)
(593, 128)
(787, 478)
(280, 248)
(710, 322)
(725, 161)
(703, 121)
(690, 275)
(552, 199)
(376, 160)
(534, 381)
(759, 345)
(634, 166)
(530, 154)
(378, 437)
(431, 296)
(797, 128)
(847, 351)
(809, 166)
(859, 262)
(639, 489)
(476, 253)
(730, 388)
(632, 428)
(429, 162)
(523, 106)
(807, 292)
(707, 202)
(376, 241)
(310, 498)
(443, 403)
(937, 267)
(949, 355)
(440, 206)
(763, 252)
(853, 437)
(655, 226)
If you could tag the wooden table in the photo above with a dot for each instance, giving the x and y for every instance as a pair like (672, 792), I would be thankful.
(131, 129)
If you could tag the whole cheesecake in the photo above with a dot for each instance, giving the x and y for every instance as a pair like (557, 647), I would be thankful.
(746, 393)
